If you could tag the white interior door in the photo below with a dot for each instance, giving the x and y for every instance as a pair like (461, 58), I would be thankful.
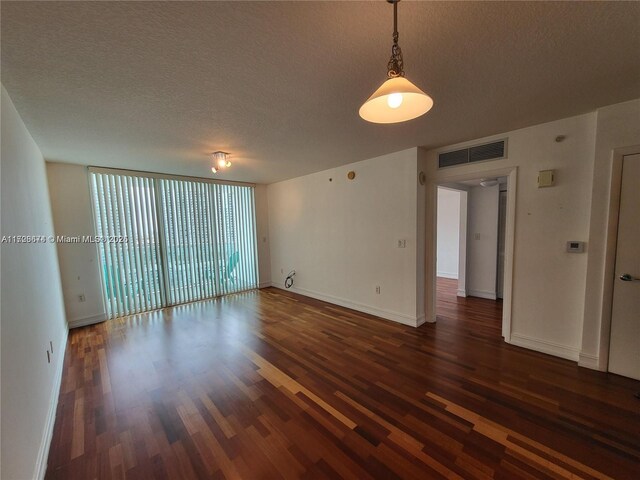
(624, 353)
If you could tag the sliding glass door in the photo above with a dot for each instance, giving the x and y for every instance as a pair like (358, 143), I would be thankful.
(170, 240)
(189, 233)
(235, 237)
(126, 222)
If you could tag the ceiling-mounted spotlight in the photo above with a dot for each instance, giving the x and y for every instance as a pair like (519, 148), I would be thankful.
(220, 161)
(489, 182)
(397, 99)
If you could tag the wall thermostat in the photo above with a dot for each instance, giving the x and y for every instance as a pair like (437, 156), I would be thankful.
(575, 247)
(546, 178)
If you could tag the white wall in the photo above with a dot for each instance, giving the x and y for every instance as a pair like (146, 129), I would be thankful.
(448, 233)
(262, 232)
(482, 241)
(547, 309)
(32, 306)
(617, 126)
(79, 262)
(341, 236)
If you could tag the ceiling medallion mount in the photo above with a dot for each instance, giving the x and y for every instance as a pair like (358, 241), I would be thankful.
(395, 67)
(397, 99)
(489, 182)
(220, 161)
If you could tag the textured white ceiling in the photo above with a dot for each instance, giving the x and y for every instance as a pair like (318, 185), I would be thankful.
(157, 85)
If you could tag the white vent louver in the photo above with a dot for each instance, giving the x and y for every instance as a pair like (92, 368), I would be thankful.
(478, 153)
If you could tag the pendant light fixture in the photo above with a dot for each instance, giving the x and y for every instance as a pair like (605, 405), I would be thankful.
(397, 99)
(220, 161)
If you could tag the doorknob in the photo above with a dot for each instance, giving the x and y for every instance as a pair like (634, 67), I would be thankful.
(625, 277)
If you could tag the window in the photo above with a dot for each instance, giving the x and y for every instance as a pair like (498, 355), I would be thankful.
(186, 239)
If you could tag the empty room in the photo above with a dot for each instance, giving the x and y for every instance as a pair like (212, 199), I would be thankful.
(318, 239)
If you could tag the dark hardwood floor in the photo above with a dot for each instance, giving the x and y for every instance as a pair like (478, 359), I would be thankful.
(268, 384)
(470, 316)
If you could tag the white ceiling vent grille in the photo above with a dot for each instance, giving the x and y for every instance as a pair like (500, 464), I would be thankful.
(478, 153)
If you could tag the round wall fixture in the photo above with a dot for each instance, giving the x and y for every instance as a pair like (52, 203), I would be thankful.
(351, 175)
(422, 178)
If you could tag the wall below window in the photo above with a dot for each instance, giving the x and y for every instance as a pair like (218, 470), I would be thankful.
(32, 305)
(341, 236)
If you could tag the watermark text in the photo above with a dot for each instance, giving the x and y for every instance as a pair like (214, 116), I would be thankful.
(64, 239)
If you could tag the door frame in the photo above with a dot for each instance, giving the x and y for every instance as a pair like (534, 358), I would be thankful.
(617, 156)
(501, 211)
(431, 235)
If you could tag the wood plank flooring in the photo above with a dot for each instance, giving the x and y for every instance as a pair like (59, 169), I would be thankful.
(268, 384)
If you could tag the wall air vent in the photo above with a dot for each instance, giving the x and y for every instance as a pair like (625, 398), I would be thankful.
(453, 158)
(478, 153)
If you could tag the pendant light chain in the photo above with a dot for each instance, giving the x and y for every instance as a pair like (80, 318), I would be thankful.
(395, 67)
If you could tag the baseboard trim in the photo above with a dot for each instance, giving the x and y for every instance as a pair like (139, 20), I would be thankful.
(83, 322)
(481, 294)
(587, 360)
(265, 285)
(43, 452)
(544, 346)
(343, 302)
(452, 276)
(462, 293)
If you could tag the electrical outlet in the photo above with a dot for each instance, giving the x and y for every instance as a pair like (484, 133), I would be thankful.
(282, 270)
(402, 243)
(378, 289)
(477, 236)
(81, 297)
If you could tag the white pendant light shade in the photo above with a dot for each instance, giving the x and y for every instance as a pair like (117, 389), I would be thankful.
(397, 100)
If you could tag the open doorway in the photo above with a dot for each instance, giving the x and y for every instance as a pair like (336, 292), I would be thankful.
(471, 222)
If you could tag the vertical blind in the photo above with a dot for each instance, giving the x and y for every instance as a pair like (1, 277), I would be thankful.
(170, 240)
